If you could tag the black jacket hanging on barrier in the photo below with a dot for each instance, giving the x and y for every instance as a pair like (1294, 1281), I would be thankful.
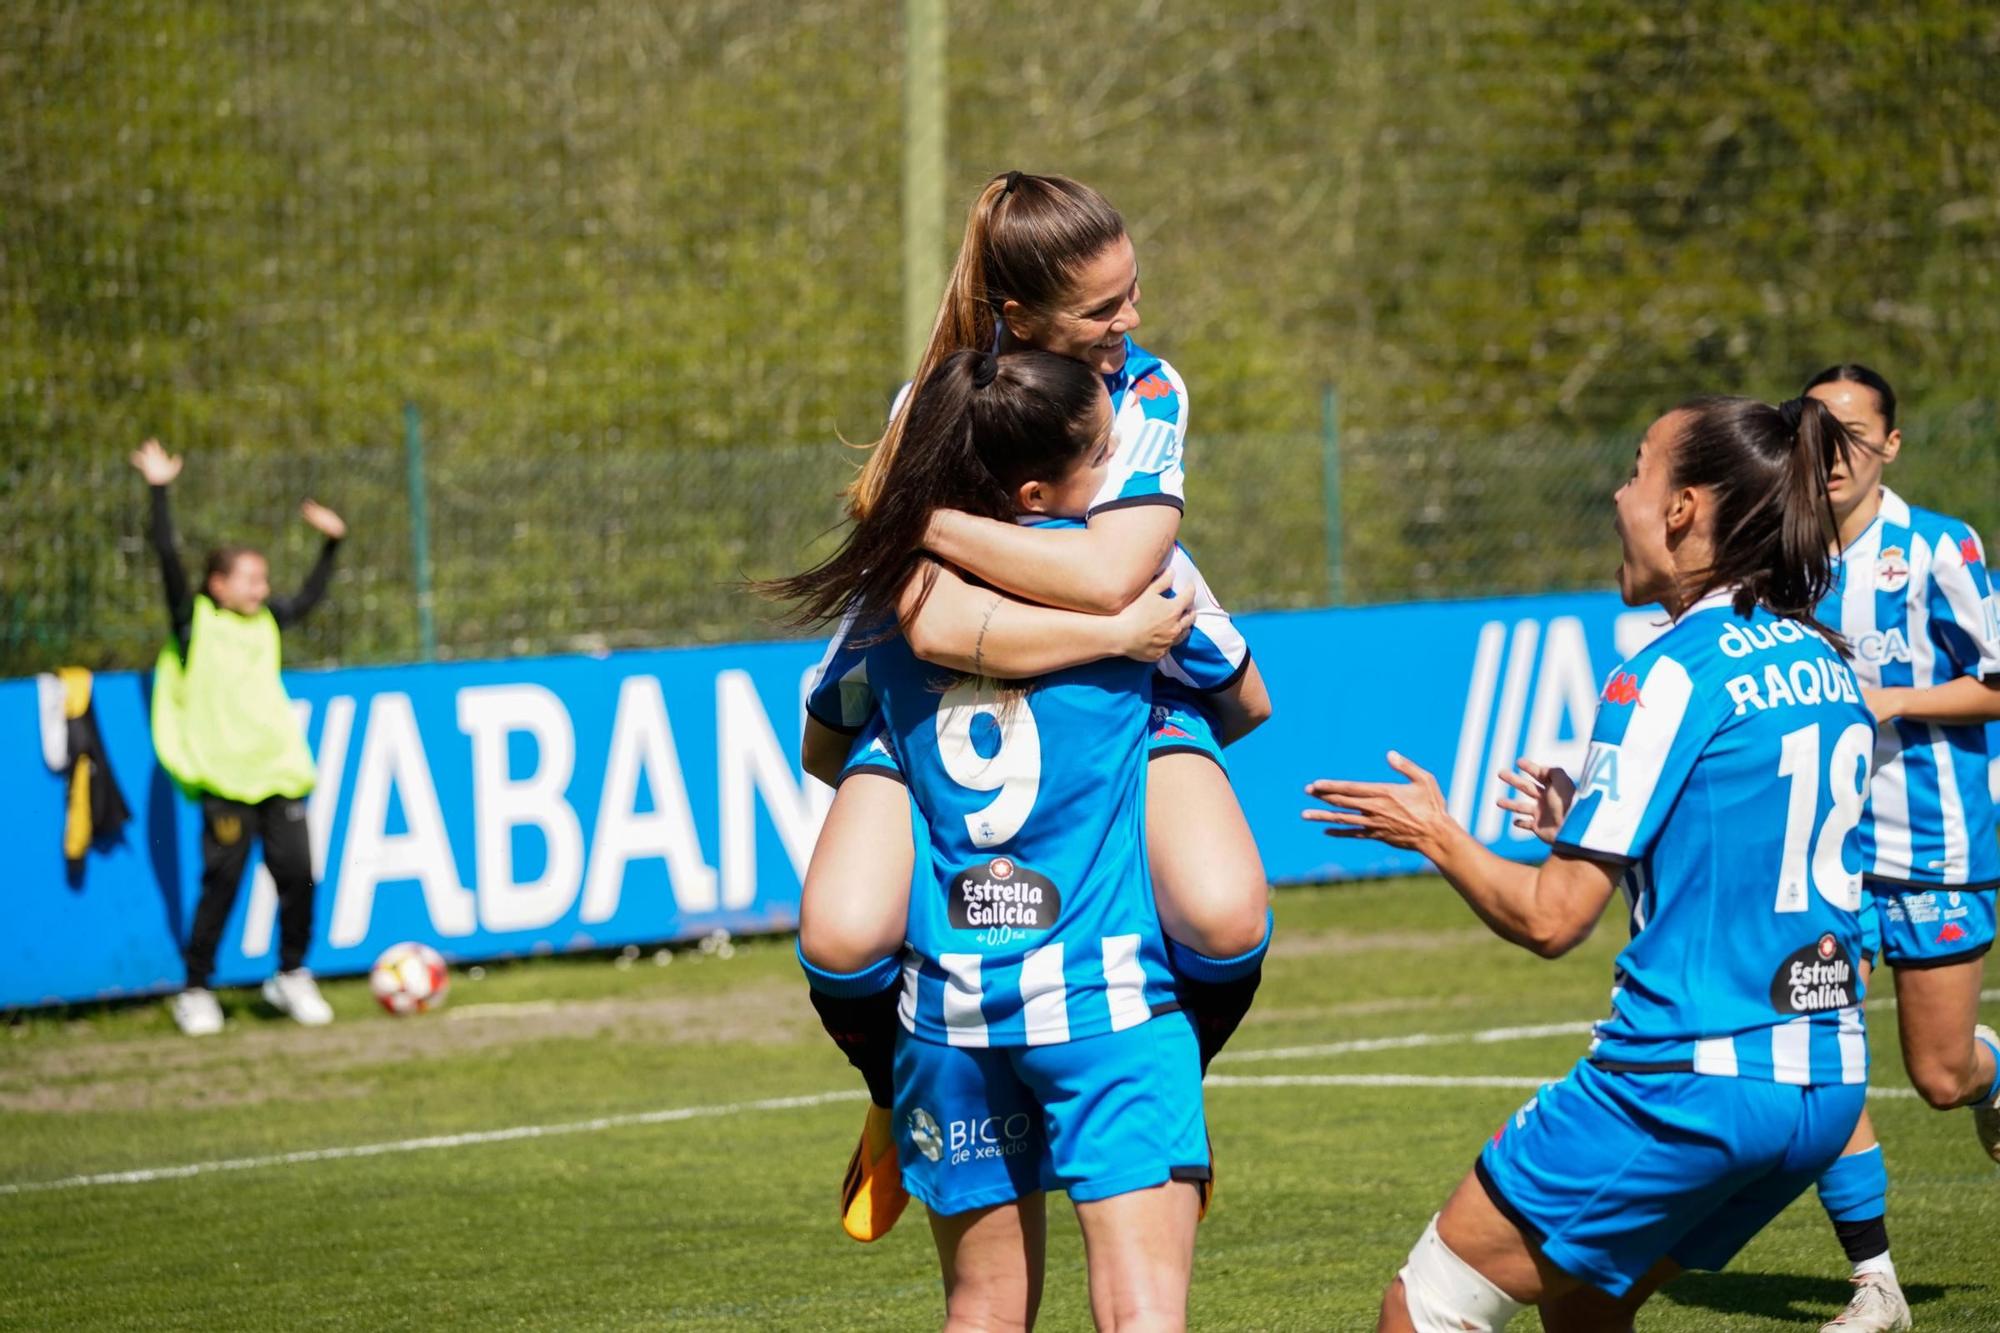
(94, 810)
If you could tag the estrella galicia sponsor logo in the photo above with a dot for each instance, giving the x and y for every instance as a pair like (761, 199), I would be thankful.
(1002, 893)
(1814, 979)
(924, 1134)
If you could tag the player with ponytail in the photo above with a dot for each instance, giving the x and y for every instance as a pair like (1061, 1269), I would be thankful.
(1038, 1042)
(1913, 597)
(1727, 770)
(1046, 263)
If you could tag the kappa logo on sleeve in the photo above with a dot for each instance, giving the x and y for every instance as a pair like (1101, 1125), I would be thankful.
(1623, 688)
(1968, 548)
(1153, 386)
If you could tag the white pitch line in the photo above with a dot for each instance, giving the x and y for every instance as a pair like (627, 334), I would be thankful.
(1406, 1041)
(664, 1117)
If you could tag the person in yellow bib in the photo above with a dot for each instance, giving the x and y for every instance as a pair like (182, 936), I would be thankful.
(224, 728)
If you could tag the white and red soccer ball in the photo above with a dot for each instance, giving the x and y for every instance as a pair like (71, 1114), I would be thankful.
(409, 978)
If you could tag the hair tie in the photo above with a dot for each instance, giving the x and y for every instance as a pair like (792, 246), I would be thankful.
(1013, 179)
(1792, 411)
(984, 369)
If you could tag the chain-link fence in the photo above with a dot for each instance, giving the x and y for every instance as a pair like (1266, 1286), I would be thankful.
(638, 265)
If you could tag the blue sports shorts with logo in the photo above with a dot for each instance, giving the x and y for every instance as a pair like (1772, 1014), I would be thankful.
(1926, 926)
(1181, 725)
(1097, 1117)
(1611, 1172)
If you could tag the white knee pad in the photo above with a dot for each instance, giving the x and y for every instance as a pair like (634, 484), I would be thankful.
(1445, 1294)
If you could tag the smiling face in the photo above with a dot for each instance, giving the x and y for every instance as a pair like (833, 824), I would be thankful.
(1857, 480)
(1090, 321)
(1650, 518)
(1069, 495)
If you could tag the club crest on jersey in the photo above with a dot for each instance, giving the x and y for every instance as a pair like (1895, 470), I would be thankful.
(1622, 688)
(1892, 570)
(1002, 892)
(1814, 979)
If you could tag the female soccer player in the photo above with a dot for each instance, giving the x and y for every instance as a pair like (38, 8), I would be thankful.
(1722, 790)
(1046, 263)
(224, 728)
(1912, 597)
(1038, 1045)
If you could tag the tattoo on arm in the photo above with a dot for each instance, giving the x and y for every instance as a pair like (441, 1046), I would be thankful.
(979, 644)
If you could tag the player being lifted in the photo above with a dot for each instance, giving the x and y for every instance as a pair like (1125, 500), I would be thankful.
(1046, 263)
(1913, 599)
(1722, 790)
(1039, 1044)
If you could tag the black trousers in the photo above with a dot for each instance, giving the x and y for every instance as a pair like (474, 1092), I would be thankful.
(226, 830)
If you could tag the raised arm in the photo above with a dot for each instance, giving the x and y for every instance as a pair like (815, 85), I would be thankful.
(160, 468)
(1097, 569)
(288, 611)
(965, 627)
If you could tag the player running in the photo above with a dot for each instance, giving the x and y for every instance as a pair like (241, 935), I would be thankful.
(1913, 598)
(1046, 263)
(1038, 1043)
(1722, 791)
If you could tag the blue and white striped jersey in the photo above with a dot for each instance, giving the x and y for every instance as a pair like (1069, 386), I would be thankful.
(1035, 923)
(1149, 406)
(1211, 658)
(1727, 770)
(1915, 602)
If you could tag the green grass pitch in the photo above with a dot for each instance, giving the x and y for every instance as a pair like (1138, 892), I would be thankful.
(724, 1217)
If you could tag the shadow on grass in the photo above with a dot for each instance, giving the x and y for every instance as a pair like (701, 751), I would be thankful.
(1782, 1296)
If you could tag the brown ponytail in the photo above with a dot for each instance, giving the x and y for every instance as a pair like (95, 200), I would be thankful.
(977, 429)
(1775, 530)
(1025, 239)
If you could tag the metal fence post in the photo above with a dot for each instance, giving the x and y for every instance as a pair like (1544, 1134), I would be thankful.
(1329, 463)
(420, 530)
(924, 111)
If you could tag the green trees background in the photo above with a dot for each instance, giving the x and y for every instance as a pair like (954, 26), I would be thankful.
(637, 264)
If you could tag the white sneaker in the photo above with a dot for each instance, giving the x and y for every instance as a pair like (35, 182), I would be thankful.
(1986, 1115)
(296, 993)
(195, 1012)
(1878, 1305)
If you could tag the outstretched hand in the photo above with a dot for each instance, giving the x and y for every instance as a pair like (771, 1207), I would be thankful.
(1546, 794)
(322, 518)
(155, 464)
(1408, 814)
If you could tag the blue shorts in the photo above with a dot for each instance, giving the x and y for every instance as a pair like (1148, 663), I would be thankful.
(1611, 1172)
(1179, 726)
(1104, 1115)
(1922, 926)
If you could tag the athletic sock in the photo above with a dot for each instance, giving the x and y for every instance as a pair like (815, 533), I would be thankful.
(1992, 1093)
(858, 1010)
(1855, 1193)
(1216, 992)
(1879, 1264)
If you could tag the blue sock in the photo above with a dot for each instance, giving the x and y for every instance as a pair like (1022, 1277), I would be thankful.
(1216, 992)
(1856, 1187)
(1200, 967)
(877, 976)
(1993, 1091)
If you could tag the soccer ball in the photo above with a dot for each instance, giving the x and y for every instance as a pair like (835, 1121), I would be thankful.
(409, 978)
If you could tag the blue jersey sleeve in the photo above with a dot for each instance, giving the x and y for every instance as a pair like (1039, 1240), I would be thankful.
(1214, 655)
(1150, 425)
(837, 693)
(1964, 619)
(1650, 729)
